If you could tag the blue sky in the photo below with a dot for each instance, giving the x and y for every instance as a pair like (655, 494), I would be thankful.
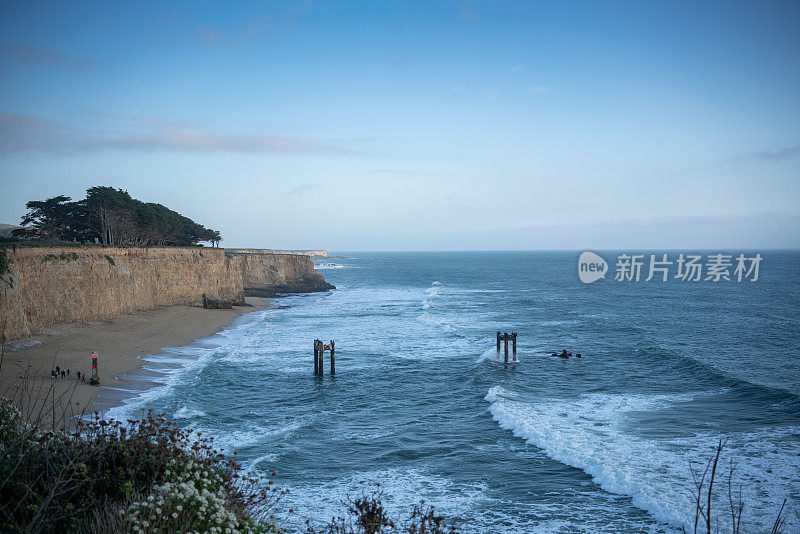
(416, 126)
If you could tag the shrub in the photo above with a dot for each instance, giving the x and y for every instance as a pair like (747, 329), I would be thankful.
(367, 515)
(72, 256)
(105, 476)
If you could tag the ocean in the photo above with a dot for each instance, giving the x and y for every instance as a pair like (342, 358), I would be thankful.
(423, 407)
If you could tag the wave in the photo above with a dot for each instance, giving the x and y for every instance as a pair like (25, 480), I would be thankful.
(187, 413)
(429, 304)
(433, 292)
(492, 355)
(400, 488)
(592, 433)
(660, 353)
(229, 440)
(174, 365)
(333, 266)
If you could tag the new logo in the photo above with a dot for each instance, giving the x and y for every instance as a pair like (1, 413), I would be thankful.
(591, 267)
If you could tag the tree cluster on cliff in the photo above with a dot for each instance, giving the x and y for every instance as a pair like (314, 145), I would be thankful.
(112, 217)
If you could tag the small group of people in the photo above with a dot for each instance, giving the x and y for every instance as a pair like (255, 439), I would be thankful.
(59, 372)
(564, 354)
(55, 373)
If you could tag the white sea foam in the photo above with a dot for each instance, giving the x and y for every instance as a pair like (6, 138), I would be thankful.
(187, 413)
(591, 433)
(333, 266)
(255, 464)
(401, 488)
(429, 304)
(473, 502)
(433, 292)
(493, 355)
(181, 362)
(249, 435)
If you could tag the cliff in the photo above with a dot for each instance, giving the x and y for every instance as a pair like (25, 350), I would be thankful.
(264, 275)
(42, 286)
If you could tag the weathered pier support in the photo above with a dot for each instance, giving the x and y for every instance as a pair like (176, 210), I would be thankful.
(506, 337)
(319, 351)
(514, 341)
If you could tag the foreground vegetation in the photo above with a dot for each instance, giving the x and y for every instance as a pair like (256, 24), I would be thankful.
(143, 476)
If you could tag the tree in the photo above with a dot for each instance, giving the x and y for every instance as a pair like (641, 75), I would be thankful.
(108, 213)
(113, 217)
(53, 218)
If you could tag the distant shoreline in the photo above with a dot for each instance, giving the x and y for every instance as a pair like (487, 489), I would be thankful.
(119, 342)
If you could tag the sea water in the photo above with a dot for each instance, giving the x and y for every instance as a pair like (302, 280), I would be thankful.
(423, 407)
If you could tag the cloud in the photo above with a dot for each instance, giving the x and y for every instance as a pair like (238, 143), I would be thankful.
(20, 133)
(34, 55)
(536, 89)
(776, 155)
(301, 189)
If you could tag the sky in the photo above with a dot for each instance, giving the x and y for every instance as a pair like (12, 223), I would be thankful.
(415, 125)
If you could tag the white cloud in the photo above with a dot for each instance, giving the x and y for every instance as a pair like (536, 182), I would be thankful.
(20, 133)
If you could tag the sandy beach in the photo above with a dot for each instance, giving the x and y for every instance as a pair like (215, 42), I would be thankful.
(119, 343)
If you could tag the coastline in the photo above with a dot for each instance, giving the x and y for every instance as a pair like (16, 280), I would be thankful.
(120, 342)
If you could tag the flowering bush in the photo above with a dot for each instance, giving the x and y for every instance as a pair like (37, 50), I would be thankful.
(195, 500)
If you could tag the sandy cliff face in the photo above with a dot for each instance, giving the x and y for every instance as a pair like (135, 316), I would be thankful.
(268, 274)
(44, 286)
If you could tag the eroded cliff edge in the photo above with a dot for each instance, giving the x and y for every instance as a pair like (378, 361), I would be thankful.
(265, 275)
(42, 286)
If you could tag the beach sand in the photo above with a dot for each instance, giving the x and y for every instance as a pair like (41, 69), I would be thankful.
(119, 342)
